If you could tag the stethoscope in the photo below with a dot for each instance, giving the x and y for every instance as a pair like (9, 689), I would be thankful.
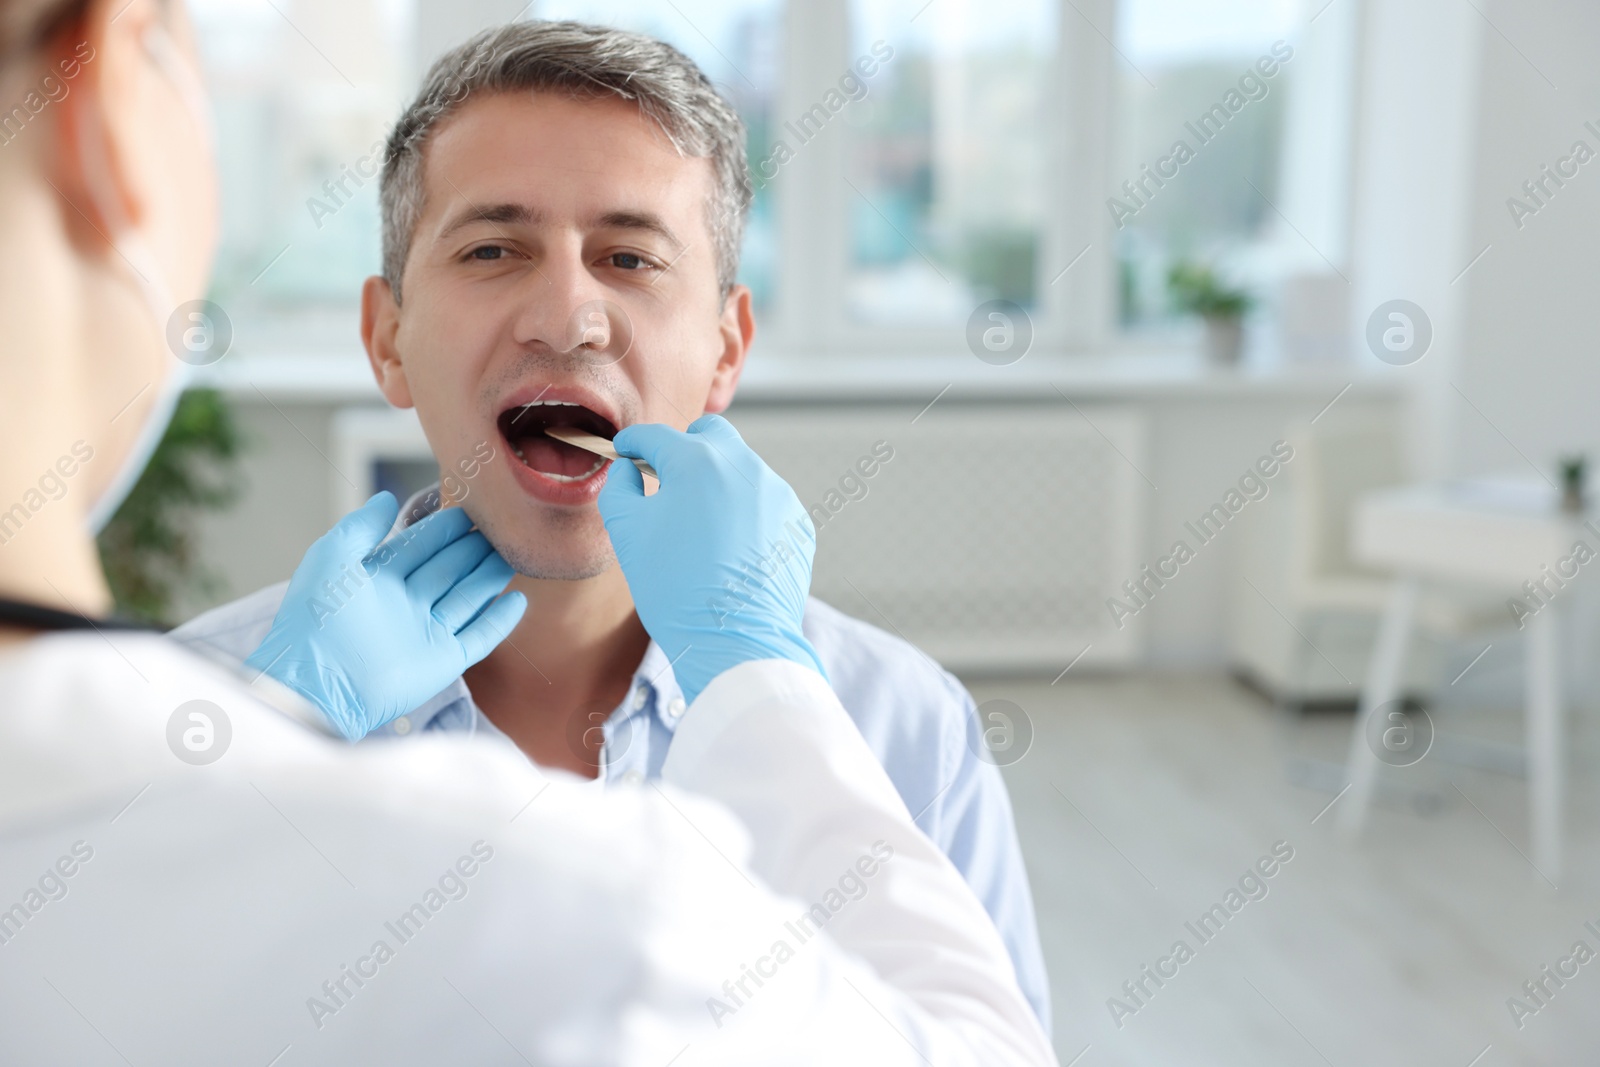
(31, 616)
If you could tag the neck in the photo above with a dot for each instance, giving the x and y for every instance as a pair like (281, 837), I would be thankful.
(46, 554)
(570, 661)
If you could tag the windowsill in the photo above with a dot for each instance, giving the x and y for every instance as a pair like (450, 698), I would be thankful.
(1047, 377)
(342, 379)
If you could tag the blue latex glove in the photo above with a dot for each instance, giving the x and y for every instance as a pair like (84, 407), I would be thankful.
(368, 631)
(719, 559)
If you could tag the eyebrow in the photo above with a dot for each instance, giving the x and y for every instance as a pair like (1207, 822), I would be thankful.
(648, 221)
(509, 214)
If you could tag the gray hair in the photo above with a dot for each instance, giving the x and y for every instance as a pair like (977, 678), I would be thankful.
(586, 62)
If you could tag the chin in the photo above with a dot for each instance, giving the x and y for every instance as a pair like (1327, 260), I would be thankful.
(565, 546)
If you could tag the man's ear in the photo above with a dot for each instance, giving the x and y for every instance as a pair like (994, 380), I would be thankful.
(380, 323)
(738, 329)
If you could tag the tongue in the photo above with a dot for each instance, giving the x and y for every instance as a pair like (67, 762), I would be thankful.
(549, 456)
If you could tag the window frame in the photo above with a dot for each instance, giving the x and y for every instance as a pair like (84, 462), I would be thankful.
(812, 203)
(1075, 308)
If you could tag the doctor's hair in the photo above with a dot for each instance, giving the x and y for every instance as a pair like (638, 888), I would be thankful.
(585, 62)
(26, 26)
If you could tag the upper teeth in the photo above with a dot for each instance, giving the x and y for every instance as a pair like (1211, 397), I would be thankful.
(540, 404)
(559, 404)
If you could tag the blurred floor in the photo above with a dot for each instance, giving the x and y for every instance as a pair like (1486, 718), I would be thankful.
(1143, 800)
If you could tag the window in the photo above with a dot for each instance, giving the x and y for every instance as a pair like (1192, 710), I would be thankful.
(1188, 77)
(946, 160)
(945, 154)
(302, 98)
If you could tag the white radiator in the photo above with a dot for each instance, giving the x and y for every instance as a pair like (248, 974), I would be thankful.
(991, 539)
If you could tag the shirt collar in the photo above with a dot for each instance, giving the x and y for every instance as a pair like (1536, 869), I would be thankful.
(655, 675)
(653, 678)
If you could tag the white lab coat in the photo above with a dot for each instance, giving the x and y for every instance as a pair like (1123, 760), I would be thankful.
(234, 912)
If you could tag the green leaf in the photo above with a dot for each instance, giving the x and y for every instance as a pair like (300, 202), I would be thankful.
(148, 548)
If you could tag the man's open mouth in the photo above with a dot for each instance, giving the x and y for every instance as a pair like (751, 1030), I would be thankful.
(523, 428)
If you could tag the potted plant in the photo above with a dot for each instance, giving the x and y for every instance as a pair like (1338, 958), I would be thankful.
(1573, 472)
(1196, 289)
(149, 548)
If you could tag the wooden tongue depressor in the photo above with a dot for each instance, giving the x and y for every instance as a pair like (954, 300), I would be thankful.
(598, 445)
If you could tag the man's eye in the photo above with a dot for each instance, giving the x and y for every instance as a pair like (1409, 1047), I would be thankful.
(628, 261)
(487, 252)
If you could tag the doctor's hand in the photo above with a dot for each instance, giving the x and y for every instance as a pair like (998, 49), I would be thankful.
(719, 559)
(369, 630)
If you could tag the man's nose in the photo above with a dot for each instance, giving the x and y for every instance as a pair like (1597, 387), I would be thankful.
(568, 310)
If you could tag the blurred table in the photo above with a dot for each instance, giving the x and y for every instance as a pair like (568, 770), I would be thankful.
(1492, 536)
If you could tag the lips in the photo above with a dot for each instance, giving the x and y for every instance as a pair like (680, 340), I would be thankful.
(551, 470)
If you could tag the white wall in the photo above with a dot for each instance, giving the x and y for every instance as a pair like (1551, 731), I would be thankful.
(1528, 352)
(1416, 129)
(1458, 109)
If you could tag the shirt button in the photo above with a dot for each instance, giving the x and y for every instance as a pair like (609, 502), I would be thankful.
(402, 726)
(675, 708)
(632, 778)
(640, 696)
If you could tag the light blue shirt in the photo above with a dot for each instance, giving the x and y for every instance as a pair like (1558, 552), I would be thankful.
(916, 717)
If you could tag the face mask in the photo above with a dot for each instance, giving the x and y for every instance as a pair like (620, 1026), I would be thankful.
(153, 287)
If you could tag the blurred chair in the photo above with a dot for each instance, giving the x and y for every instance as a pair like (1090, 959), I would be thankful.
(1295, 560)
(1306, 618)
